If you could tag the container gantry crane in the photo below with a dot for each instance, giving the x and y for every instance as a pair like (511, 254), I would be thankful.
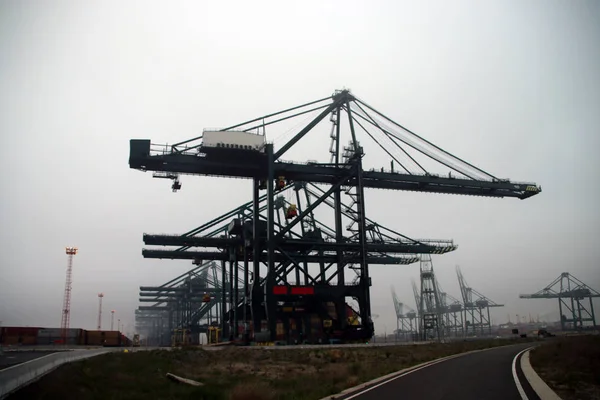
(240, 151)
(452, 314)
(476, 308)
(406, 327)
(385, 247)
(571, 294)
(189, 303)
(417, 296)
(450, 311)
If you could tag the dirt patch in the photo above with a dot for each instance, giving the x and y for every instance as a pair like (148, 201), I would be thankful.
(570, 366)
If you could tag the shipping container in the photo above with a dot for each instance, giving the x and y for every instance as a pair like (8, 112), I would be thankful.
(11, 340)
(57, 332)
(14, 335)
(20, 331)
(103, 338)
(20, 340)
(52, 340)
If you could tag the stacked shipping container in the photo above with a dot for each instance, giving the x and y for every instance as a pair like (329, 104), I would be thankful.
(18, 335)
(49, 336)
(54, 336)
(313, 331)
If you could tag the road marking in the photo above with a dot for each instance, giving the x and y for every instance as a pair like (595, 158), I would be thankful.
(404, 374)
(26, 362)
(515, 377)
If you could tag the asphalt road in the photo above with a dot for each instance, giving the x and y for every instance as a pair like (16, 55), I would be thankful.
(485, 375)
(10, 358)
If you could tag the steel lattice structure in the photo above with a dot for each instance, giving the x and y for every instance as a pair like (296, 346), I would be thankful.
(406, 320)
(451, 313)
(191, 302)
(431, 322)
(476, 308)
(571, 294)
(443, 316)
(272, 251)
(378, 236)
(66, 309)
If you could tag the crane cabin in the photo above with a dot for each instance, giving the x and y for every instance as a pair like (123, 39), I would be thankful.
(232, 141)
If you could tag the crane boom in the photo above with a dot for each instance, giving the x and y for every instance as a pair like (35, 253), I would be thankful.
(194, 163)
(236, 151)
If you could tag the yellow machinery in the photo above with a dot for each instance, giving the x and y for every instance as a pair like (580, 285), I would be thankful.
(180, 337)
(213, 334)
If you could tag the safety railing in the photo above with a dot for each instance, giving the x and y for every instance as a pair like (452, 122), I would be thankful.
(18, 376)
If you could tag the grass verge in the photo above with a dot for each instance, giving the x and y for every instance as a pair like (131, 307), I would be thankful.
(235, 373)
(570, 366)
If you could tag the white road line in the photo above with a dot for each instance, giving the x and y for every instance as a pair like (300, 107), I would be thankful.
(26, 362)
(516, 378)
(404, 374)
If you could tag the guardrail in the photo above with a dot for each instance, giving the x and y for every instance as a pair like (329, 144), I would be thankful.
(20, 375)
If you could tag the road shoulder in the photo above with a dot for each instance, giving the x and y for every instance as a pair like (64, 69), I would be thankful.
(537, 384)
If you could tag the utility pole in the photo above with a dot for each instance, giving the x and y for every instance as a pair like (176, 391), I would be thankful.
(100, 296)
(112, 320)
(66, 311)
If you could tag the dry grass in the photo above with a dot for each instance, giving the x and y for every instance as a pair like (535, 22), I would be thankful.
(235, 373)
(571, 366)
(251, 391)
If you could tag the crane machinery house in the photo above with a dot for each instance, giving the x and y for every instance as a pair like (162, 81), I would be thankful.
(232, 141)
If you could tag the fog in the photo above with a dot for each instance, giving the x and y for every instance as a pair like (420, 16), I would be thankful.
(510, 86)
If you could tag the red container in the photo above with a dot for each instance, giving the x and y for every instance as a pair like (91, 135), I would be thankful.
(20, 331)
(29, 340)
(9, 340)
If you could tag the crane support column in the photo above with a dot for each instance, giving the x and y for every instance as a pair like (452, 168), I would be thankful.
(257, 295)
(232, 304)
(339, 229)
(246, 295)
(270, 303)
(223, 297)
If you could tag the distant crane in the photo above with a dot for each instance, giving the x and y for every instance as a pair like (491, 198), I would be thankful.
(430, 306)
(476, 320)
(405, 325)
(417, 296)
(100, 296)
(66, 310)
(571, 293)
(452, 313)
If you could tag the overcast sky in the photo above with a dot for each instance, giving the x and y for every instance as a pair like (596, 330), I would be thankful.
(511, 86)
